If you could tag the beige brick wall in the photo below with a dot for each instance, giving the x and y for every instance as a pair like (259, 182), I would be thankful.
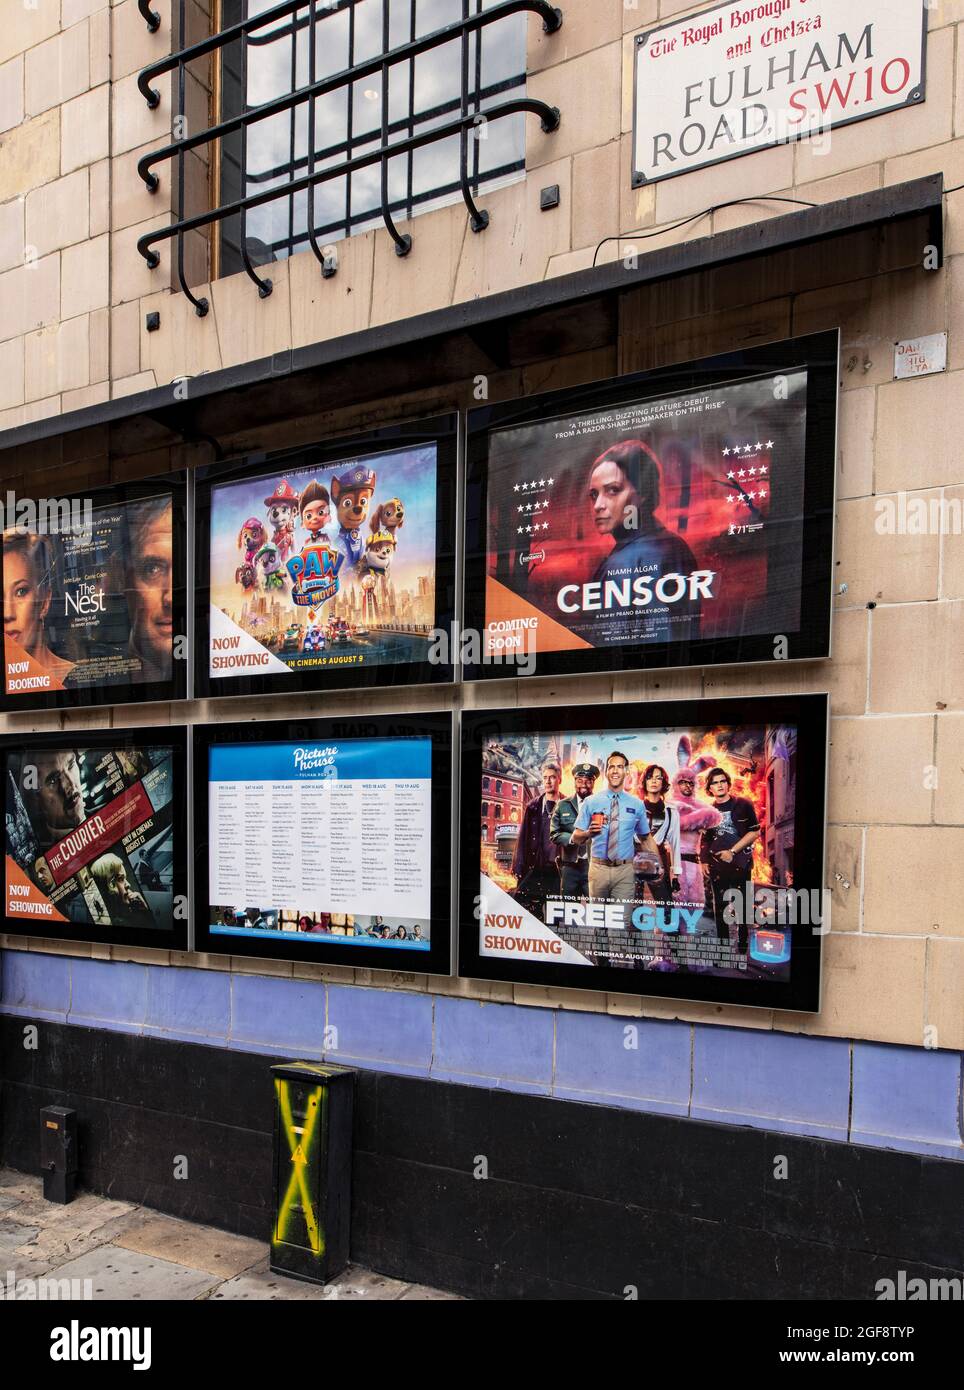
(73, 299)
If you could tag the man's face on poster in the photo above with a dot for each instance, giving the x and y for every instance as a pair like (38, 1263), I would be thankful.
(58, 789)
(151, 576)
(719, 788)
(584, 786)
(550, 781)
(616, 773)
(612, 497)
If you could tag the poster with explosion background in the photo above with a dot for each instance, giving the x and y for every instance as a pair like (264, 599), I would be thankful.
(90, 849)
(324, 566)
(654, 525)
(664, 850)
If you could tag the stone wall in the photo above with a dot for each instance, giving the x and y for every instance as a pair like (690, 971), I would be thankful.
(73, 298)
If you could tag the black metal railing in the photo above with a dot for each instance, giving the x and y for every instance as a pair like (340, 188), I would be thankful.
(387, 148)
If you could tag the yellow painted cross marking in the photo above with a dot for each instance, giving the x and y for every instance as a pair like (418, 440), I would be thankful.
(299, 1143)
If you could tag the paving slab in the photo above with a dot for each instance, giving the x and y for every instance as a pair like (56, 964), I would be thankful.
(424, 1294)
(184, 1242)
(128, 1275)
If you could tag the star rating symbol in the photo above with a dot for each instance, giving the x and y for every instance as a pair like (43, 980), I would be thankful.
(763, 469)
(748, 448)
(759, 448)
(752, 472)
(742, 473)
(516, 488)
(731, 474)
(769, 444)
(726, 453)
(731, 499)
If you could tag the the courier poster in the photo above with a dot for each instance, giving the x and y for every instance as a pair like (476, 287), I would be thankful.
(324, 567)
(666, 850)
(89, 838)
(662, 523)
(90, 607)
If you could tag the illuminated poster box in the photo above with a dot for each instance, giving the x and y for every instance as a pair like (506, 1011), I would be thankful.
(329, 566)
(672, 849)
(682, 517)
(326, 840)
(94, 596)
(96, 836)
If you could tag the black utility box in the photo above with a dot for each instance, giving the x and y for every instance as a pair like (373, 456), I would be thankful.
(58, 1152)
(312, 1169)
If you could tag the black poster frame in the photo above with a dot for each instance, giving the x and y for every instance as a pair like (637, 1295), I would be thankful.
(810, 714)
(442, 431)
(440, 728)
(131, 692)
(174, 736)
(819, 353)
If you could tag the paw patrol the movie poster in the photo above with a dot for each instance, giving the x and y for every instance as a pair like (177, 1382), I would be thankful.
(660, 850)
(656, 524)
(324, 567)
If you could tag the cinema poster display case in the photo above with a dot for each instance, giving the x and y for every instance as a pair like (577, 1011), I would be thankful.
(96, 836)
(681, 517)
(672, 849)
(330, 566)
(94, 596)
(326, 840)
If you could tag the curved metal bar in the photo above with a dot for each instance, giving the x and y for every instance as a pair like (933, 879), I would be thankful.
(310, 210)
(403, 243)
(478, 219)
(551, 22)
(151, 17)
(548, 115)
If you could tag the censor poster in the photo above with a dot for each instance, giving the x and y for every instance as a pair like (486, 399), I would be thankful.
(743, 76)
(655, 524)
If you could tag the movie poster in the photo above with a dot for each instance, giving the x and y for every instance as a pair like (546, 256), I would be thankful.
(650, 525)
(316, 843)
(665, 850)
(90, 838)
(90, 606)
(325, 567)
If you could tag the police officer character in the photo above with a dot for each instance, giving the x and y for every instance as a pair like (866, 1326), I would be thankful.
(573, 860)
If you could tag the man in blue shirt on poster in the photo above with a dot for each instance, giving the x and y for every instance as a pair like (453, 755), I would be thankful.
(613, 821)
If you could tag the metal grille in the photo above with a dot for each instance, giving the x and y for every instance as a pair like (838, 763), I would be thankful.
(385, 144)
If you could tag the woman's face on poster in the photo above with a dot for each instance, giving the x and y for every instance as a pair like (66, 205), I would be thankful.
(612, 497)
(25, 602)
(151, 576)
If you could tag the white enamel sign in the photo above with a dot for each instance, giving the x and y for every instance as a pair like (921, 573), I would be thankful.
(743, 76)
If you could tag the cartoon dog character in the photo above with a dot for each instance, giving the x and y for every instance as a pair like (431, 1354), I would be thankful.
(247, 576)
(272, 573)
(282, 508)
(695, 816)
(251, 538)
(379, 550)
(352, 493)
(389, 516)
